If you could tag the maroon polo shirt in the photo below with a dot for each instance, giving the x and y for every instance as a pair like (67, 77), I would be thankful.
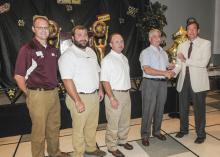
(38, 65)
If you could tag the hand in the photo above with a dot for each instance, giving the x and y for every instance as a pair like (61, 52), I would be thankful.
(172, 73)
(101, 95)
(171, 66)
(80, 107)
(114, 102)
(169, 74)
(181, 57)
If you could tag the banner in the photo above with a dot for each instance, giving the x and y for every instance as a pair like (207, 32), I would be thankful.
(69, 1)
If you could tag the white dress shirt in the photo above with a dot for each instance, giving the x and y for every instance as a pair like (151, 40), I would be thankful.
(115, 70)
(80, 66)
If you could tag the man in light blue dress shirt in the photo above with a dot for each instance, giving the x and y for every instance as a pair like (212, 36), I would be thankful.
(155, 66)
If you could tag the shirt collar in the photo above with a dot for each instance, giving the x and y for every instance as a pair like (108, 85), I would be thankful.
(81, 52)
(155, 48)
(116, 53)
(38, 44)
(194, 41)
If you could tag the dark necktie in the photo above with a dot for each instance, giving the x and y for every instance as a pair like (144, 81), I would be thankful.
(190, 49)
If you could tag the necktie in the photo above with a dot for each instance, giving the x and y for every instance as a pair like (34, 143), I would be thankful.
(190, 49)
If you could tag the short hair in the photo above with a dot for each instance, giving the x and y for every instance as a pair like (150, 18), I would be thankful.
(113, 34)
(35, 17)
(190, 21)
(152, 32)
(79, 27)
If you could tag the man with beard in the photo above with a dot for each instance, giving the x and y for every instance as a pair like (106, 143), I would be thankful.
(79, 71)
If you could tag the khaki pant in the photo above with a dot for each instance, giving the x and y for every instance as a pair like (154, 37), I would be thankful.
(44, 110)
(118, 120)
(84, 124)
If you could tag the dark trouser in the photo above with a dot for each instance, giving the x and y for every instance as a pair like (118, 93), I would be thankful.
(154, 94)
(185, 97)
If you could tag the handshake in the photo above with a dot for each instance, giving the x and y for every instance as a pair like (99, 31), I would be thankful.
(169, 73)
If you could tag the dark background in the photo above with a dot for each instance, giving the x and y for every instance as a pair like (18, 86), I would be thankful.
(12, 36)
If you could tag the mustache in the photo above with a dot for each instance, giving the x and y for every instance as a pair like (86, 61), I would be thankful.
(83, 41)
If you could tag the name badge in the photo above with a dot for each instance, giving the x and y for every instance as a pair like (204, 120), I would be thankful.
(39, 53)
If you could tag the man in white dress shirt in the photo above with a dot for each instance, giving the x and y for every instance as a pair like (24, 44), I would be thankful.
(115, 77)
(79, 71)
(193, 57)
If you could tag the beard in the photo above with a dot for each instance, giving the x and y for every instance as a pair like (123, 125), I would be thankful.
(79, 45)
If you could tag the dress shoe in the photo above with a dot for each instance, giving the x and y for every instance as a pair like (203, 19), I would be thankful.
(126, 146)
(145, 142)
(199, 140)
(117, 153)
(97, 152)
(160, 137)
(180, 134)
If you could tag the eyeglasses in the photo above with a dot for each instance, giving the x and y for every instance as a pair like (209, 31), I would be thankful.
(42, 28)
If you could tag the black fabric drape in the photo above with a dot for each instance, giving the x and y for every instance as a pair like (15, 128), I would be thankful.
(12, 36)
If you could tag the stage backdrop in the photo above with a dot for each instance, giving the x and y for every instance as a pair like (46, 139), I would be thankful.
(15, 27)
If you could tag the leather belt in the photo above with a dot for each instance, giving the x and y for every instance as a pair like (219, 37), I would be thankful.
(120, 90)
(156, 79)
(89, 93)
(41, 89)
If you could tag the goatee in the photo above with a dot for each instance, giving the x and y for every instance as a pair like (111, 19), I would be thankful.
(79, 45)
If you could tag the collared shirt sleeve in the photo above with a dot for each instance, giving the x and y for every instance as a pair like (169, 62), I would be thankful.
(97, 64)
(21, 62)
(105, 71)
(144, 58)
(66, 66)
(98, 67)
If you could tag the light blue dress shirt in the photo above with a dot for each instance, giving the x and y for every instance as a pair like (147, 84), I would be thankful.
(154, 58)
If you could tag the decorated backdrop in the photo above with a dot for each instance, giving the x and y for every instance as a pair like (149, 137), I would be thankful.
(132, 18)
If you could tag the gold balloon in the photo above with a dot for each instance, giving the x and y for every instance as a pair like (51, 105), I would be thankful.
(179, 37)
(54, 35)
(53, 29)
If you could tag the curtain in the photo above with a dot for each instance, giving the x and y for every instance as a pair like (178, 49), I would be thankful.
(13, 36)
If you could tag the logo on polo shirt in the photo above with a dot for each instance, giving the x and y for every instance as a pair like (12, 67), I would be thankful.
(53, 54)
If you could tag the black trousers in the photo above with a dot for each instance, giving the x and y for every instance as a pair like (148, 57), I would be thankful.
(185, 97)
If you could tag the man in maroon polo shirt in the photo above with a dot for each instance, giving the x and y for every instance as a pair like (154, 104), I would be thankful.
(36, 76)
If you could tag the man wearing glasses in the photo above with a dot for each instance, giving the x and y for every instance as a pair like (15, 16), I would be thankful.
(36, 76)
